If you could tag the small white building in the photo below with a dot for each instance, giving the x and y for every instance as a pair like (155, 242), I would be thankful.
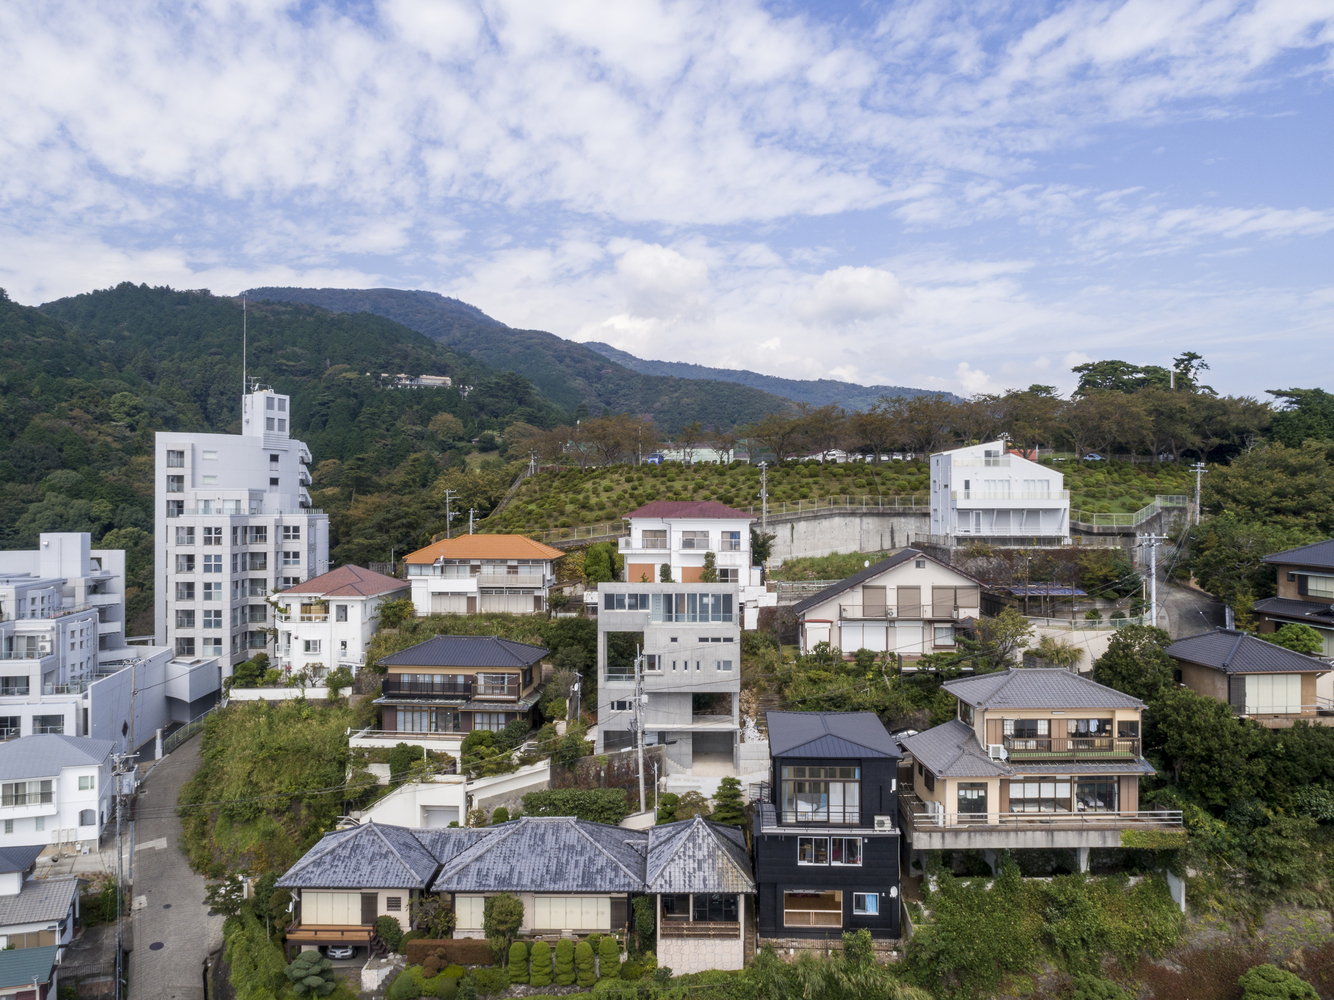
(34, 913)
(476, 574)
(678, 533)
(55, 790)
(984, 491)
(327, 622)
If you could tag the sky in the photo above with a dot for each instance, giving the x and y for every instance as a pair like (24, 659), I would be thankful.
(968, 196)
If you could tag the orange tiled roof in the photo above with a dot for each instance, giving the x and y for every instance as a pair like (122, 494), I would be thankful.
(483, 547)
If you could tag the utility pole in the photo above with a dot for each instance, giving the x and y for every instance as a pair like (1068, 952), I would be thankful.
(472, 513)
(532, 464)
(119, 775)
(449, 517)
(1152, 541)
(1199, 470)
(764, 507)
(639, 722)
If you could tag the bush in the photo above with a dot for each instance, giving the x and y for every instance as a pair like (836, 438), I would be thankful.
(1268, 982)
(464, 951)
(390, 931)
(540, 960)
(597, 805)
(631, 971)
(502, 916)
(488, 981)
(501, 815)
(408, 985)
(1091, 987)
(609, 958)
(728, 801)
(667, 807)
(585, 973)
(518, 962)
(311, 975)
(645, 922)
(565, 962)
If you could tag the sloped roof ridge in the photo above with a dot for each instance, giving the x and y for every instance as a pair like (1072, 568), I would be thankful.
(1227, 660)
(327, 843)
(578, 826)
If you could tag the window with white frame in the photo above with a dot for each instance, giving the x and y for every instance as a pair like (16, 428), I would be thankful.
(340, 612)
(725, 666)
(87, 782)
(213, 564)
(175, 460)
(212, 536)
(291, 557)
(291, 532)
(213, 591)
(185, 536)
(694, 539)
(494, 721)
(213, 618)
(311, 645)
(211, 645)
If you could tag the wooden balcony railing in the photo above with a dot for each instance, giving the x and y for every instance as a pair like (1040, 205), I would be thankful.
(812, 918)
(1070, 747)
(717, 929)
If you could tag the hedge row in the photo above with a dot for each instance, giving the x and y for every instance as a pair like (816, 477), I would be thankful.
(460, 951)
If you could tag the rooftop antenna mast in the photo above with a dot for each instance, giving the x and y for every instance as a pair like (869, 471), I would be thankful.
(245, 385)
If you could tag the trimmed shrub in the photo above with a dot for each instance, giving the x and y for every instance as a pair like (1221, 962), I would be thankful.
(518, 962)
(645, 922)
(609, 958)
(565, 962)
(311, 975)
(540, 962)
(490, 981)
(407, 939)
(390, 931)
(501, 815)
(446, 987)
(597, 805)
(585, 973)
(1268, 982)
(407, 985)
(464, 951)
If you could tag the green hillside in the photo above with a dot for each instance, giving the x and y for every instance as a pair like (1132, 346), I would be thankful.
(567, 373)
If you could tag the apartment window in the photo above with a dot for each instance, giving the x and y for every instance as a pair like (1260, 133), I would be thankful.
(273, 463)
(185, 564)
(1095, 794)
(691, 608)
(212, 645)
(259, 561)
(54, 724)
(185, 591)
(268, 402)
(652, 661)
(654, 539)
(273, 482)
(494, 721)
(212, 536)
(212, 619)
(87, 782)
(282, 424)
(9, 727)
(845, 851)
(175, 460)
(213, 564)
(185, 536)
(730, 541)
(492, 684)
(291, 581)
(965, 714)
(340, 612)
(1128, 729)
(175, 484)
(821, 794)
(175, 508)
(210, 480)
(866, 904)
(944, 635)
(694, 539)
(268, 423)
(732, 575)
(311, 645)
(259, 613)
(920, 563)
(236, 562)
(812, 850)
(342, 647)
(1026, 728)
(185, 618)
(87, 817)
(210, 456)
(13, 686)
(185, 647)
(725, 666)
(620, 706)
(257, 535)
(9, 826)
(292, 558)
(213, 591)
(291, 532)
(258, 588)
(28, 793)
(393, 902)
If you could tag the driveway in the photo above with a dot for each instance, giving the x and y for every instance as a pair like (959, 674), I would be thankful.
(173, 932)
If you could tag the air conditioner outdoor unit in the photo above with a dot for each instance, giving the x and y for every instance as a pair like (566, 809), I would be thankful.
(884, 824)
(997, 751)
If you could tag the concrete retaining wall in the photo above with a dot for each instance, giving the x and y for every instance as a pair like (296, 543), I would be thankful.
(849, 530)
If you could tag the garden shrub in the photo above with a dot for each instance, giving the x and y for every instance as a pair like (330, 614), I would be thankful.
(645, 922)
(518, 962)
(1090, 987)
(490, 981)
(464, 951)
(565, 962)
(597, 805)
(407, 939)
(585, 973)
(540, 965)
(390, 931)
(407, 985)
(1268, 982)
(609, 958)
(311, 975)
(502, 916)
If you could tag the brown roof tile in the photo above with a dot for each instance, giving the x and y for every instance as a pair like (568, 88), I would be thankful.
(483, 547)
(348, 581)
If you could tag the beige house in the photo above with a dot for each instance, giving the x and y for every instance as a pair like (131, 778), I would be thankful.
(1037, 758)
(910, 604)
(1305, 579)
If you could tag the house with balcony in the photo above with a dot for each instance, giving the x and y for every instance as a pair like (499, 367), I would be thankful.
(984, 491)
(1036, 758)
(1272, 685)
(910, 604)
(825, 831)
(55, 790)
(34, 913)
(1305, 581)
(328, 621)
(677, 534)
(444, 688)
(689, 636)
(478, 574)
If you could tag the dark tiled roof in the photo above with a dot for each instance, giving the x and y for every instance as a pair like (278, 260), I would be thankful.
(690, 508)
(370, 856)
(870, 573)
(548, 854)
(1236, 652)
(18, 859)
(1319, 555)
(1286, 607)
(951, 751)
(348, 581)
(39, 901)
(697, 856)
(1037, 687)
(466, 651)
(829, 734)
(20, 966)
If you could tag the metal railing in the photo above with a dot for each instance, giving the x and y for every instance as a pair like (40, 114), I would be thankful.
(999, 461)
(833, 815)
(1010, 495)
(1092, 519)
(1070, 747)
(607, 529)
(846, 502)
(186, 731)
(791, 590)
(462, 689)
(1092, 624)
(922, 818)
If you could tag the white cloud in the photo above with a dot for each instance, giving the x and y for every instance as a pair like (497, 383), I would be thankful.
(848, 294)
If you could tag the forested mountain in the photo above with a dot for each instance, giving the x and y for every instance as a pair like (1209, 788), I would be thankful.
(566, 373)
(817, 392)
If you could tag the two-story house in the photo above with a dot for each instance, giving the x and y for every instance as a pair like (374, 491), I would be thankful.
(1273, 685)
(984, 491)
(328, 621)
(690, 639)
(34, 913)
(476, 574)
(1305, 592)
(678, 533)
(1038, 757)
(449, 685)
(910, 604)
(54, 790)
(825, 833)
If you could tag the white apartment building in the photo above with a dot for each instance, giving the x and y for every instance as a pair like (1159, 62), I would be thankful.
(475, 574)
(982, 490)
(677, 533)
(234, 525)
(55, 790)
(691, 639)
(327, 622)
(65, 575)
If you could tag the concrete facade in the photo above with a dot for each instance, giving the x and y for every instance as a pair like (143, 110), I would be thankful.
(821, 533)
(328, 622)
(62, 574)
(982, 490)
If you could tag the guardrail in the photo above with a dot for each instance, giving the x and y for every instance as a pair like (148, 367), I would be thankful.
(1089, 624)
(186, 731)
(1092, 519)
(849, 502)
(608, 529)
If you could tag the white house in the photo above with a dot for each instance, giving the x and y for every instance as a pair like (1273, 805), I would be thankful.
(327, 622)
(677, 534)
(475, 574)
(234, 525)
(54, 790)
(983, 490)
(34, 913)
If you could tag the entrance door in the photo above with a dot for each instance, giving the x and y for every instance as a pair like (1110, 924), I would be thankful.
(973, 800)
(370, 907)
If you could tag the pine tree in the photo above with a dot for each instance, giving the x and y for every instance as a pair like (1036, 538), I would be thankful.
(727, 801)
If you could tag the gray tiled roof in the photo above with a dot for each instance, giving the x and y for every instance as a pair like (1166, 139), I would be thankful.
(21, 966)
(18, 859)
(1286, 607)
(1319, 555)
(370, 856)
(1037, 687)
(951, 751)
(42, 900)
(698, 856)
(548, 854)
(1236, 652)
(829, 734)
(870, 573)
(466, 651)
(44, 754)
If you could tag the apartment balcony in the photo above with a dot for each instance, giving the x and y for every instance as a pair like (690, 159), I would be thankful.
(304, 477)
(526, 580)
(866, 612)
(287, 618)
(1057, 496)
(394, 688)
(1042, 748)
(999, 462)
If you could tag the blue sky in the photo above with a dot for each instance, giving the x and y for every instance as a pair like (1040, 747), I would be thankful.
(971, 196)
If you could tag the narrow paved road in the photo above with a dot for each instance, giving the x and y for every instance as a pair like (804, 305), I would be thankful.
(173, 932)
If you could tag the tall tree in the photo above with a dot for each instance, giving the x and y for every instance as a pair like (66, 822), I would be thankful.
(777, 433)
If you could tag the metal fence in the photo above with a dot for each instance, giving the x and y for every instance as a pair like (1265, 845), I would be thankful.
(608, 529)
(849, 502)
(1091, 519)
(186, 731)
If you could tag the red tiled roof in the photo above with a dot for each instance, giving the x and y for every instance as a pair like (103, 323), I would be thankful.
(349, 581)
(690, 508)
